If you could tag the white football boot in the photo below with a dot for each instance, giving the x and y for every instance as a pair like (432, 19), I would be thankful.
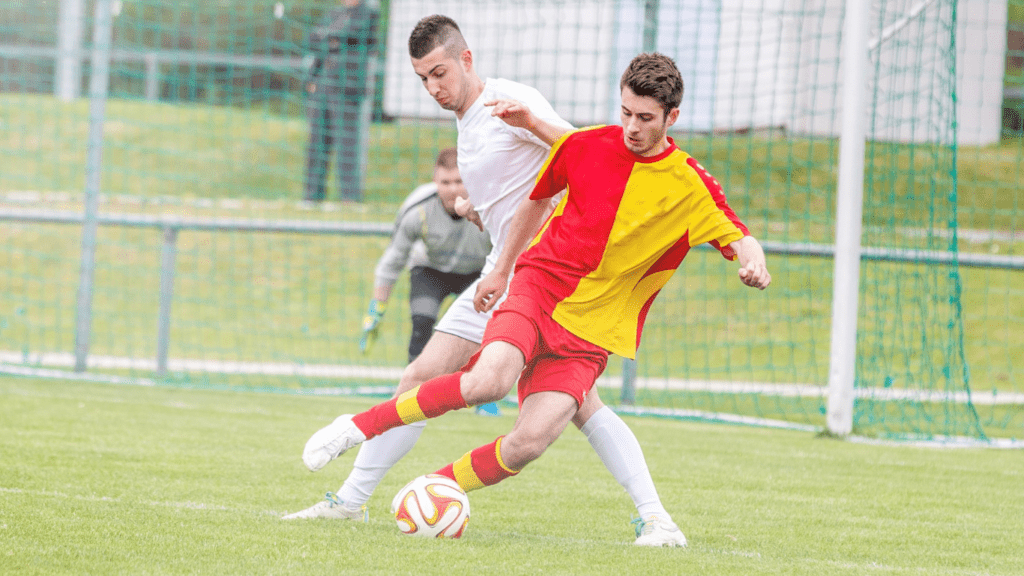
(331, 441)
(654, 531)
(332, 508)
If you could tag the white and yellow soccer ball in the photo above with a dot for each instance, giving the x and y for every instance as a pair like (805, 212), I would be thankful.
(432, 506)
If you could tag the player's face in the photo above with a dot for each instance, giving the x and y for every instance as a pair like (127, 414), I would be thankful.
(449, 187)
(645, 124)
(445, 78)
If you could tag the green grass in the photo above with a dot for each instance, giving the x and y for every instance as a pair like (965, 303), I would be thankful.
(113, 479)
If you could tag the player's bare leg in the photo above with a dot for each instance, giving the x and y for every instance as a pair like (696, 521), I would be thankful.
(443, 354)
(542, 419)
(493, 375)
(620, 451)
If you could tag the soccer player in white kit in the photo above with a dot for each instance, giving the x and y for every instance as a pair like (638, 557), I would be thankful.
(499, 164)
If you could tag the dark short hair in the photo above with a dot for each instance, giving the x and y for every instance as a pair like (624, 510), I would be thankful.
(654, 75)
(434, 31)
(447, 158)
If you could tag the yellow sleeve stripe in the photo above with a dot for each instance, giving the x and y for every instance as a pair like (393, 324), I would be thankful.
(408, 407)
(464, 473)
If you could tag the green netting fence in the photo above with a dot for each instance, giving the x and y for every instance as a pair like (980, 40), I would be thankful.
(212, 265)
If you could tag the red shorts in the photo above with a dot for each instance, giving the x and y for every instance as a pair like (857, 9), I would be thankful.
(556, 359)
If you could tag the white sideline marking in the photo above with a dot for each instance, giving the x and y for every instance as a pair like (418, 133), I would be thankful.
(83, 498)
(944, 442)
(11, 360)
(67, 360)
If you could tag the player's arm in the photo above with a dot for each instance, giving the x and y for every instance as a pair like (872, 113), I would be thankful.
(464, 208)
(753, 268)
(390, 265)
(525, 223)
(519, 115)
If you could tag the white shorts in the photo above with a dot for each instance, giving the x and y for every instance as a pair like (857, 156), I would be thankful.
(462, 320)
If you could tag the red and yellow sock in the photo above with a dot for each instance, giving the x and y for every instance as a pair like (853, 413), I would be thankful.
(428, 400)
(479, 468)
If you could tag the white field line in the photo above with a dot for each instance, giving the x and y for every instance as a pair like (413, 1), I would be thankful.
(187, 505)
(943, 442)
(11, 361)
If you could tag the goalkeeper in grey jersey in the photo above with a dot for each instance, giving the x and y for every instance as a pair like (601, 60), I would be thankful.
(444, 252)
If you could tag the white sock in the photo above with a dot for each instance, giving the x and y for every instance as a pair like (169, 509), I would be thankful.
(620, 451)
(376, 456)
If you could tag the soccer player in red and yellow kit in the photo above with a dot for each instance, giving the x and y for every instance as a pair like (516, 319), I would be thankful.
(634, 206)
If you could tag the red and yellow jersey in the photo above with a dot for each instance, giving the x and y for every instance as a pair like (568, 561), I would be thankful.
(623, 227)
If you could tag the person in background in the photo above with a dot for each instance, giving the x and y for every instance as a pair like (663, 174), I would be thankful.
(339, 91)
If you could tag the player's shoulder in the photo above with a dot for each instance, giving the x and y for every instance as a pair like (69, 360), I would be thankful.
(504, 88)
(596, 132)
(590, 135)
(420, 195)
(690, 164)
(694, 173)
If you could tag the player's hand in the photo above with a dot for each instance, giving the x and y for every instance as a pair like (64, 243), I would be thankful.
(753, 268)
(464, 208)
(371, 324)
(490, 290)
(755, 275)
(513, 112)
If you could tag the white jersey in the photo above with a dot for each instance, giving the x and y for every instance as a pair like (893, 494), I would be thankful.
(499, 163)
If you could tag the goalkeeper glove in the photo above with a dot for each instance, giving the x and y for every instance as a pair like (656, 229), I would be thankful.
(371, 323)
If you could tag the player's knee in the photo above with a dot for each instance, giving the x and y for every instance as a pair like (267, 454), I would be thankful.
(417, 372)
(520, 447)
(591, 405)
(480, 386)
(422, 328)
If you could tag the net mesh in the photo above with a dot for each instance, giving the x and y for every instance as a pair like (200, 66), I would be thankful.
(230, 255)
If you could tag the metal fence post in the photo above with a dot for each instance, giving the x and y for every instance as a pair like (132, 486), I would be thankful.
(650, 25)
(98, 86)
(628, 396)
(70, 30)
(168, 254)
(152, 76)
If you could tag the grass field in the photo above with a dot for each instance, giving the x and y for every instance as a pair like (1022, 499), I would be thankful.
(122, 479)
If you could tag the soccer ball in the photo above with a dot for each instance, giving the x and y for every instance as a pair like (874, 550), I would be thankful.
(432, 506)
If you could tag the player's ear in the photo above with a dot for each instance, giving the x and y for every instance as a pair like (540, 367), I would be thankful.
(672, 116)
(466, 58)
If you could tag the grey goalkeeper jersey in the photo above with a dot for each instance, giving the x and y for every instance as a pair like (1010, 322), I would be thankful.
(426, 235)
